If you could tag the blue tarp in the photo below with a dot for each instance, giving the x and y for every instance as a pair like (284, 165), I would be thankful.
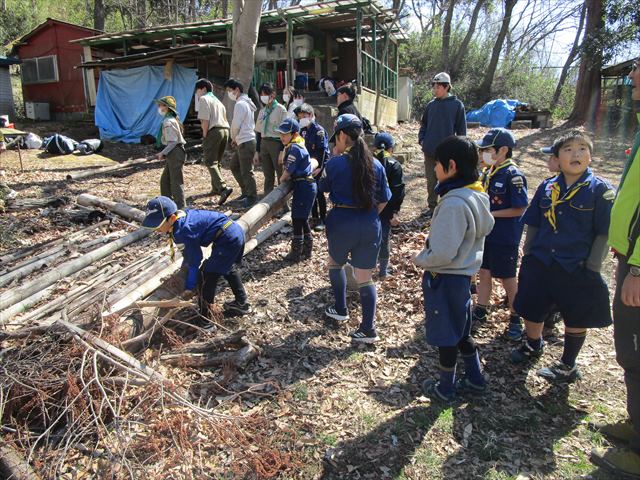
(125, 108)
(496, 113)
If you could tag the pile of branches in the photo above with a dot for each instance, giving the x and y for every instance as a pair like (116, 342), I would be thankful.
(72, 404)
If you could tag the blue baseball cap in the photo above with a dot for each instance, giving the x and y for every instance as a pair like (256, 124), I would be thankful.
(158, 210)
(383, 140)
(290, 125)
(497, 137)
(344, 122)
(547, 150)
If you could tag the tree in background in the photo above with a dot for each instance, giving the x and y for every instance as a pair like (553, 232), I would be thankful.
(246, 21)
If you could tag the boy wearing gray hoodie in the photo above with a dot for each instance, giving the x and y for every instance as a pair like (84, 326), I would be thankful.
(451, 256)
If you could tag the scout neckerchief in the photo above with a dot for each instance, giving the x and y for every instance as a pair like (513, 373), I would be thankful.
(265, 116)
(169, 114)
(385, 153)
(170, 240)
(297, 139)
(493, 171)
(556, 199)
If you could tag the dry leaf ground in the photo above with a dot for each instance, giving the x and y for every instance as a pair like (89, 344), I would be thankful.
(358, 413)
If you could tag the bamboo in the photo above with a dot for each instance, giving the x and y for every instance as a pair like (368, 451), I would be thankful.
(122, 209)
(32, 259)
(31, 267)
(239, 358)
(13, 296)
(266, 233)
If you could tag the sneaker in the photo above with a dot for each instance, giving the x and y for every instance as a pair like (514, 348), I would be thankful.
(237, 308)
(428, 214)
(515, 331)
(622, 462)
(622, 431)
(464, 385)
(480, 315)
(331, 312)
(526, 353)
(560, 371)
(431, 388)
(473, 288)
(364, 336)
(226, 193)
(319, 226)
(240, 198)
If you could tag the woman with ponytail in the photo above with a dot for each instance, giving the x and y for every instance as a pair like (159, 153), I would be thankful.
(358, 189)
(170, 136)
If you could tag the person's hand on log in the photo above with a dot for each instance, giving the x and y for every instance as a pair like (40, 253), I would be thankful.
(159, 156)
(395, 220)
(187, 294)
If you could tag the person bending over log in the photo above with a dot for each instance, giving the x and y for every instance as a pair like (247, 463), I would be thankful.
(200, 228)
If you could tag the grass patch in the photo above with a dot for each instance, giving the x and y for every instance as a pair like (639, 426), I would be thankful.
(329, 439)
(575, 468)
(300, 392)
(494, 474)
(444, 422)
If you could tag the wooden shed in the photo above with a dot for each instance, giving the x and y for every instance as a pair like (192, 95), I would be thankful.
(7, 106)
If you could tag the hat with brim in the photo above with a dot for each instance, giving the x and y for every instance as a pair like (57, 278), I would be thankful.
(496, 138)
(168, 102)
(345, 122)
(158, 210)
(290, 125)
(547, 150)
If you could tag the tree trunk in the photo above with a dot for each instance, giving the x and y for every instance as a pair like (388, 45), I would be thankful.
(446, 35)
(98, 14)
(484, 91)
(588, 86)
(246, 20)
(570, 59)
(462, 51)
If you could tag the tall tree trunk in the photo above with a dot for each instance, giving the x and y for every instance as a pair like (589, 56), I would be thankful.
(273, 4)
(462, 51)
(224, 5)
(484, 91)
(446, 35)
(246, 20)
(588, 92)
(98, 14)
(570, 59)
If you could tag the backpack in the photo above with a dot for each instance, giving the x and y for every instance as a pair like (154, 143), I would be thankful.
(59, 145)
(89, 146)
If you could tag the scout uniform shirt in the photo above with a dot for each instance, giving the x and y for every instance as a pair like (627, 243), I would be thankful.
(316, 142)
(171, 131)
(507, 188)
(569, 219)
(212, 109)
(269, 118)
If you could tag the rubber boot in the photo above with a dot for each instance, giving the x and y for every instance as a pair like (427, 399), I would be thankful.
(307, 247)
(295, 254)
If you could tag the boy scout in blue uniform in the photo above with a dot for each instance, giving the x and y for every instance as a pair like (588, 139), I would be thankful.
(358, 189)
(566, 242)
(196, 229)
(317, 144)
(389, 216)
(507, 189)
(451, 256)
(297, 168)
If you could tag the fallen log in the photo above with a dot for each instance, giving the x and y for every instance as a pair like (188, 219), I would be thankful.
(266, 233)
(238, 358)
(214, 344)
(13, 296)
(122, 209)
(35, 258)
(32, 267)
(19, 204)
(13, 466)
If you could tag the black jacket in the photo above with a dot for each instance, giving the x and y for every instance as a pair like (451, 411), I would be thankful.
(395, 178)
(348, 107)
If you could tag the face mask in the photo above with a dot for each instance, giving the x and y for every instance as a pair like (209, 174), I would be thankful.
(161, 112)
(486, 158)
(264, 99)
(298, 101)
(232, 95)
(286, 98)
(305, 122)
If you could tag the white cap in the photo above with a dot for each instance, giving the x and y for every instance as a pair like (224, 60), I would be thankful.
(442, 77)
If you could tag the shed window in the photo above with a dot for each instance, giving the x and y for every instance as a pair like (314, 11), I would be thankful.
(40, 70)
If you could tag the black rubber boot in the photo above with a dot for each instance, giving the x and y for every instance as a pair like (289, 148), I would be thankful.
(295, 254)
(307, 247)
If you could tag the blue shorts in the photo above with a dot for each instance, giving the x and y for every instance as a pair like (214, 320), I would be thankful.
(447, 308)
(227, 251)
(500, 260)
(353, 233)
(581, 297)
(304, 194)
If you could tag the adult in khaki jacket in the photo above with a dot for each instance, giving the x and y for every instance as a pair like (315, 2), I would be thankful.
(268, 144)
(215, 135)
(170, 136)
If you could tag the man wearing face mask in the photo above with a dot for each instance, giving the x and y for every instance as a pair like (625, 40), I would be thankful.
(317, 144)
(215, 135)
(293, 102)
(243, 139)
(268, 144)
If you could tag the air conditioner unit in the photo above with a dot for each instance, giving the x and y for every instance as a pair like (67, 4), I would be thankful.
(37, 110)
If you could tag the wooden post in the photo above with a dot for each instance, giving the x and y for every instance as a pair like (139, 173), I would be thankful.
(290, 68)
(90, 77)
(20, 156)
(375, 54)
(359, 48)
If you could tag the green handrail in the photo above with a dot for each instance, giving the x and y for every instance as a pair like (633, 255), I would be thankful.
(389, 78)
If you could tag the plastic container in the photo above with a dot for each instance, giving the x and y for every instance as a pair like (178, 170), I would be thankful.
(304, 41)
(262, 53)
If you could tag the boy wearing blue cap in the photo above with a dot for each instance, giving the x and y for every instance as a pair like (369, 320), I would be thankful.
(566, 242)
(358, 189)
(389, 216)
(196, 229)
(297, 168)
(317, 144)
(451, 256)
(506, 186)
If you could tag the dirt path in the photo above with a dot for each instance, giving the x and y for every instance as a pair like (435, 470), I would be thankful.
(358, 412)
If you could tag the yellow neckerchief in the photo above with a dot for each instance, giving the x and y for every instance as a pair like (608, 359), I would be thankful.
(476, 186)
(493, 171)
(556, 199)
(170, 241)
(386, 153)
(297, 139)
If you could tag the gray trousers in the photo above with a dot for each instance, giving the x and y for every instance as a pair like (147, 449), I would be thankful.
(171, 180)
(269, 151)
(430, 175)
(213, 146)
(626, 335)
(242, 168)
